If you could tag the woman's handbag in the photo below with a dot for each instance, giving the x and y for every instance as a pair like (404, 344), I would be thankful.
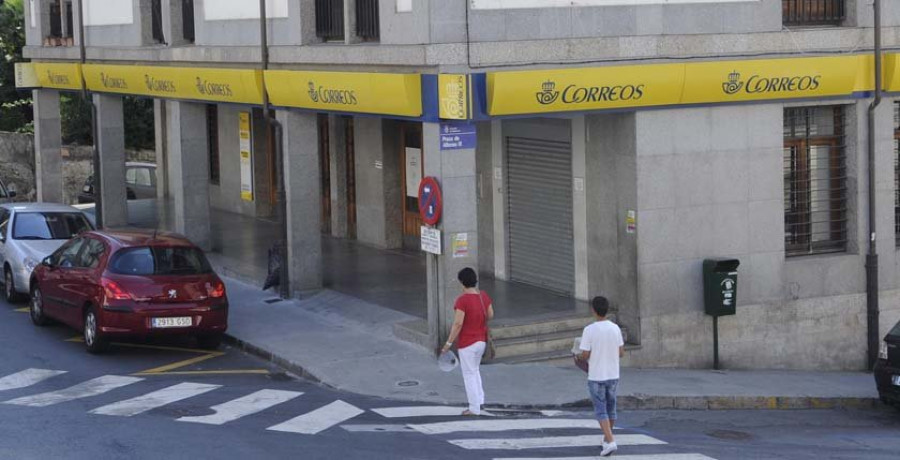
(489, 351)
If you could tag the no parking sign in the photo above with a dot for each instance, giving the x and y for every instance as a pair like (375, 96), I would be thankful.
(430, 201)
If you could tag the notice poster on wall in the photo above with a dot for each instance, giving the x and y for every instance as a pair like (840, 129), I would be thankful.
(246, 158)
(413, 171)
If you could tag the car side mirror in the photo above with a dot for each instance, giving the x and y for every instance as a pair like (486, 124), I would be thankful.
(11, 191)
(47, 262)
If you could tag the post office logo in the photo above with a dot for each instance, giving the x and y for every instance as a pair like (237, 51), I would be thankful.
(548, 94)
(734, 83)
(313, 94)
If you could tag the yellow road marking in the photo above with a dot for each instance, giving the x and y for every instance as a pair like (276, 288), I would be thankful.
(180, 364)
(77, 338)
(22, 310)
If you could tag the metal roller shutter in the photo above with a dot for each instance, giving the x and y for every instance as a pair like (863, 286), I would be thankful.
(541, 249)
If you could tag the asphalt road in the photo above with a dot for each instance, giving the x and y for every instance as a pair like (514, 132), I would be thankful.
(165, 400)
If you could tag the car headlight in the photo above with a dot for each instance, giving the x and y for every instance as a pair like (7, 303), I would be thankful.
(883, 350)
(30, 264)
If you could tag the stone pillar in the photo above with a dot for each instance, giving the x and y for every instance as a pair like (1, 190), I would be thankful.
(350, 36)
(173, 22)
(189, 166)
(579, 207)
(337, 134)
(456, 173)
(378, 182)
(47, 146)
(162, 160)
(303, 198)
(111, 145)
(64, 25)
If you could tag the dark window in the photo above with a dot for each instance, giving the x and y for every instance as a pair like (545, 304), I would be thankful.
(156, 22)
(812, 12)
(330, 19)
(367, 26)
(4, 221)
(160, 261)
(897, 170)
(187, 18)
(92, 253)
(212, 141)
(142, 177)
(56, 20)
(67, 256)
(49, 225)
(815, 180)
(70, 22)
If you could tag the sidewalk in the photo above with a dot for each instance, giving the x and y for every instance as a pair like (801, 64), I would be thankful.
(348, 344)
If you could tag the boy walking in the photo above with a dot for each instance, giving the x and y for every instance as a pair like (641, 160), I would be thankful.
(601, 347)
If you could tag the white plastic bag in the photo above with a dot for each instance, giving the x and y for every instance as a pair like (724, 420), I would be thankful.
(448, 361)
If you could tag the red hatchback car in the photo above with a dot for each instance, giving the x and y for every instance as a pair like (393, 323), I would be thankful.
(136, 284)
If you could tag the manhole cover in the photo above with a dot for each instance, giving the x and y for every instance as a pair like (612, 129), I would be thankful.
(408, 383)
(730, 435)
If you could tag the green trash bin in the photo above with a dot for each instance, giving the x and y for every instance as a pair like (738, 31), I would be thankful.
(720, 280)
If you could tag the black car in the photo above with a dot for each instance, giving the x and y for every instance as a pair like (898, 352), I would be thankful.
(140, 183)
(887, 368)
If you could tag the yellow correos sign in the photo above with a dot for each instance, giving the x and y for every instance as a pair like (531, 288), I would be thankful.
(58, 75)
(355, 92)
(26, 76)
(453, 96)
(573, 90)
(202, 84)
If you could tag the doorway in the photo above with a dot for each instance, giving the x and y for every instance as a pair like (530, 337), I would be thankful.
(412, 169)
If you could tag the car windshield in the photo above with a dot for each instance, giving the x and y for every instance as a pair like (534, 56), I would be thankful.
(160, 261)
(895, 332)
(49, 225)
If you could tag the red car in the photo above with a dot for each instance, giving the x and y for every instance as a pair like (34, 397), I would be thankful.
(130, 284)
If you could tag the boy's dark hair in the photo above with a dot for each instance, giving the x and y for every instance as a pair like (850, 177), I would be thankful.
(468, 278)
(600, 305)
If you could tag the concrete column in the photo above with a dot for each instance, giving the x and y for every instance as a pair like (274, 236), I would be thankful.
(499, 196)
(47, 146)
(63, 10)
(303, 197)
(579, 207)
(303, 15)
(111, 145)
(189, 166)
(337, 134)
(173, 22)
(350, 36)
(456, 173)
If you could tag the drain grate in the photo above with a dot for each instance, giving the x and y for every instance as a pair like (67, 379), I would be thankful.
(730, 435)
(271, 301)
(408, 383)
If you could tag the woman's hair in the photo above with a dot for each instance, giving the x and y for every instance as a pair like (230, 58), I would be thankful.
(468, 278)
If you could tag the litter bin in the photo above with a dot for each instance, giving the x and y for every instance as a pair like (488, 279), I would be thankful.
(720, 286)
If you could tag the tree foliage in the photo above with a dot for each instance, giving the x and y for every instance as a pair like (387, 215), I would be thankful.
(15, 106)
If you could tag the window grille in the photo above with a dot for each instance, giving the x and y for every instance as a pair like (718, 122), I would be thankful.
(330, 19)
(212, 141)
(367, 26)
(812, 12)
(897, 171)
(815, 180)
(187, 20)
(156, 22)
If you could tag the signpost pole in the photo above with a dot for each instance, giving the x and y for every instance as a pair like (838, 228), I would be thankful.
(716, 342)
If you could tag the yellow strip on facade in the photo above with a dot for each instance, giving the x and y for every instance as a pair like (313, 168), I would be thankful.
(59, 75)
(202, 84)
(355, 92)
(26, 76)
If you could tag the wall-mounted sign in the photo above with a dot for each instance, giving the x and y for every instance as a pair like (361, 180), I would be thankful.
(431, 240)
(460, 244)
(454, 96)
(356, 92)
(630, 221)
(26, 76)
(246, 157)
(202, 84)
(413, 171)
(431, 203)
(59, 76)
(458, 136)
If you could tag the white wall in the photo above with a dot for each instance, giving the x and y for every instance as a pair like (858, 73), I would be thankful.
(516, 4)
(108, 12)
(222, 10)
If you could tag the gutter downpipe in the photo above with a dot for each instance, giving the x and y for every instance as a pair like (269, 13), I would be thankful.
(872, 312)
(281, 245)
(86, 96)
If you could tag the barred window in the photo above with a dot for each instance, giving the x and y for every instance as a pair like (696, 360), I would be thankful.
(897, 171)
(212, 139)
(815, 180)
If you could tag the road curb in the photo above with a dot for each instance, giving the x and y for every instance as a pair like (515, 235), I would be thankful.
(625, 402)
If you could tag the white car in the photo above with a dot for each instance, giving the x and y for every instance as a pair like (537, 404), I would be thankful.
(29, 232)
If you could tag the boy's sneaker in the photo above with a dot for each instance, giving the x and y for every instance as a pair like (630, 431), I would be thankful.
(608, 448)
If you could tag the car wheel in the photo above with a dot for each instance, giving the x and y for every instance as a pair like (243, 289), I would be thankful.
(92, 339)
(9, 286)
(36, 307)
(209, 342)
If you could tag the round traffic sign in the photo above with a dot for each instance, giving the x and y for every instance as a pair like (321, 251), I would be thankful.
(430, 201)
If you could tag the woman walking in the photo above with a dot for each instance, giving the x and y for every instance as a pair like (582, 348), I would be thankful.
(473, 311)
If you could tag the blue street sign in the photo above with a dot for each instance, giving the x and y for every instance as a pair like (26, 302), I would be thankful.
(458, 136)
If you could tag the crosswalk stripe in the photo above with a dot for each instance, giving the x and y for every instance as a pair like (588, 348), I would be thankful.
(320, 419)
(503, 425)
(418, 411)
(554, 442)
(87, 389)
(26, 378)
(154, 400)
(622, 457)
(244, 406)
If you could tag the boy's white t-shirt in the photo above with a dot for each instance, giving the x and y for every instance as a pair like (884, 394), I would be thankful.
(602, 339)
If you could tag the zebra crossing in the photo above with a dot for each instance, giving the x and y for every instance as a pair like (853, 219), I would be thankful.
(500, 437)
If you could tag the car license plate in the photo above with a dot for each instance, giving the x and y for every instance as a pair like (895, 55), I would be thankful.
(184, 321)
(896, 380)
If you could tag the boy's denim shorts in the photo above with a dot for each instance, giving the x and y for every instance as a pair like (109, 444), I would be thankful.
(604, 396)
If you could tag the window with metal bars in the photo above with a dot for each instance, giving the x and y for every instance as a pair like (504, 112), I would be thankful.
(330, 19)
(367, 26)
(156, 22)
(212, 141)
(187, 20)
(815, 180)
(813, 12)
(897, 171)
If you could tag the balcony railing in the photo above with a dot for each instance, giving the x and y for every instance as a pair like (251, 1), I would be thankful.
(330, 19)
(367, 27)
(813, 12)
